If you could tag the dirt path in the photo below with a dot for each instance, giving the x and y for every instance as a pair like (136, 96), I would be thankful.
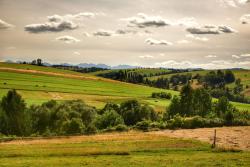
(232, 137)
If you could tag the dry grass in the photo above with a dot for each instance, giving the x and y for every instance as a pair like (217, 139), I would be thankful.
(229, 137)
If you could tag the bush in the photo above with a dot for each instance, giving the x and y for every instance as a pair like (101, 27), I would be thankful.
(176, 122)
(132, 112)
(121, 128)
(74, 126)
(163, 95)
(91, 129)
(109, 119)
(143, 125)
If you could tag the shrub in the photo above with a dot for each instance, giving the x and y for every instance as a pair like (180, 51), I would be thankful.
(74, 126)
(109, 119)
(163, 95)
(143, 125)
(132, 112)
(91, 129)
(121, 128)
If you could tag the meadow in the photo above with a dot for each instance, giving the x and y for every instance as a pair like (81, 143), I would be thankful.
(39, 84)
(36, 88)
(118, 149)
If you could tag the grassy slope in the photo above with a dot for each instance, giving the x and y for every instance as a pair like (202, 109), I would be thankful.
(132, 149)
(38, 88)
(244, 75)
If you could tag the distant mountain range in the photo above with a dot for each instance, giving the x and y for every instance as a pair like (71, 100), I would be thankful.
(86, 65)
(89, 65)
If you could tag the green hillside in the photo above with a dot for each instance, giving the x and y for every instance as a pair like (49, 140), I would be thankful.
(39, 84)
(38, 87)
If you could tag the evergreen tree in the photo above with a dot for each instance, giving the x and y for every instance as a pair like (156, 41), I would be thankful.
(186, 100)
(13, 107)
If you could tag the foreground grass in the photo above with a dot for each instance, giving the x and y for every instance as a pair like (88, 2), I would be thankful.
(137, 149)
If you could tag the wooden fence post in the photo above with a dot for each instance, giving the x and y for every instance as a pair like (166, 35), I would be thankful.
(214, 142)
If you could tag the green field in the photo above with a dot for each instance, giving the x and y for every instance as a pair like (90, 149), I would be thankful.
(244, 75)
(132, 149)
(37, 88)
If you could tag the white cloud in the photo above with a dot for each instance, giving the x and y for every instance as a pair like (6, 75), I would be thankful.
(103, 33)
(58, 18)
(216, 64)
(210, 29)
(187, 22)
(191, 36)
(232, 3)
(57, 23)
(245, 19)
(211, 56)
(5, 25)
(124, 32)
(235, 56)
(151, 41)
(57, 26)
(183, 41)
(86, 34)
(146, 57)
(245, 55)
(68, 39)
(142, 21)
(77, 53)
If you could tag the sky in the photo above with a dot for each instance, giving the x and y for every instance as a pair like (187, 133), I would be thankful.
(161, 33)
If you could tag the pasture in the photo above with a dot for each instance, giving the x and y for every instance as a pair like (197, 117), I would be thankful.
(118, 149)
(39, 84)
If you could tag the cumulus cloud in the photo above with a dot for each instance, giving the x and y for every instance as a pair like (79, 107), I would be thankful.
(211, 56)
(142, 21)
(245, 19)
(151, 41)
(235, 56)
(191, 36)
(108, 33)
(242, 56)
(187, 22)
(183, 41)
(77, 53)
(232, 3)
(124, 32)
(5, 25)
(211, 29)
(245, 55)
(56, 18)
(146, 57)
(216, 64)
(57, 23)
(103, 33)
(68, 39)
(57, 26)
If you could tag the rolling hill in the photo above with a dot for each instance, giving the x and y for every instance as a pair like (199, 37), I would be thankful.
(39, 84)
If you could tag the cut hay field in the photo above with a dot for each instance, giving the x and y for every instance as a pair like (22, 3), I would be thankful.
(39, 84)
(119, 149)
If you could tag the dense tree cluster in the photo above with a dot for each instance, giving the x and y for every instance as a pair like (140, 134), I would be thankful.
(163, 95)
(194, 108)
(218, 79)
(66, 118)
(199, 103)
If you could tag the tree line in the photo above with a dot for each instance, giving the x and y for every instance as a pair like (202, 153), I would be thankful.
(194, 108)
